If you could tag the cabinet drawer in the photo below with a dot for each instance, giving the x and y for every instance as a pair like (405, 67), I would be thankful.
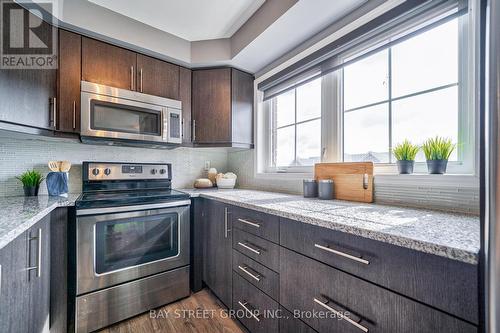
(257, 274)
(290, 324)
(354, 305)
(256, 223)
(446, 284)
(259, 249)
(257, 311)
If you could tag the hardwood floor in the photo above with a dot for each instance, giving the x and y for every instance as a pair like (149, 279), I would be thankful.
(199, 313)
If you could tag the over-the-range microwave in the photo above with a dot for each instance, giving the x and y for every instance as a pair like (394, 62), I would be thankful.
(118, 116)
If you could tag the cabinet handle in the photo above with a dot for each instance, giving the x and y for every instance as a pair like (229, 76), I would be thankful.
(131, 77)
(246, 246)
(182, 121)
(244, 306)
(194, 130)
(38, 267)
(74, 115)
(340, 314)
(54, 112)
(226, 226)
(253, 224)
(342, 254)
(245, 270)
(140, 79)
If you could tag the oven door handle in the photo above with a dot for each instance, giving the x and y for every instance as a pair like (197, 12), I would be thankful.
(106, 210)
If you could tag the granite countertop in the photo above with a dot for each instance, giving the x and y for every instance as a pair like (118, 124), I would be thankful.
(449, 235)
(18, 214)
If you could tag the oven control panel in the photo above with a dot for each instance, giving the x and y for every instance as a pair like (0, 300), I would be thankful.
(124, 171)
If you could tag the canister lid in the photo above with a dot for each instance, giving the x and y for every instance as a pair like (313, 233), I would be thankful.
(326, 181)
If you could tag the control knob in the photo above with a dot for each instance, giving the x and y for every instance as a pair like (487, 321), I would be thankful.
(107, 171)
(153, 171)
(163, 171)
(95, 171)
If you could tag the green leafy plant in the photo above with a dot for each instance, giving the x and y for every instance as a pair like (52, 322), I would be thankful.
(405, 151)
(30, 178)
(438, 148)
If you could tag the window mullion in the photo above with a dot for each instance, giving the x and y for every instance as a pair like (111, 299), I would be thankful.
(389, 86)
(295, 128)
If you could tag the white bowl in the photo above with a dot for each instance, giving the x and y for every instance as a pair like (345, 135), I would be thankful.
(226, 183)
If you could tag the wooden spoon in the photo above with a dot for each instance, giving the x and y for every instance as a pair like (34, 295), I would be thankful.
(64, 166)
(54, 166)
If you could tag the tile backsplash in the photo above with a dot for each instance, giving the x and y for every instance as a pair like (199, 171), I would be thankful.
(454, 198)
(26, 152)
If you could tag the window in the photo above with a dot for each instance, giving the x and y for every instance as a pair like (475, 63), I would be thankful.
(296, 127)
(415, 88)
(408, 91)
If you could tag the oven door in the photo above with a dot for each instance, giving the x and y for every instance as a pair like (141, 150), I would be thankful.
(120, 247)
(119, 118)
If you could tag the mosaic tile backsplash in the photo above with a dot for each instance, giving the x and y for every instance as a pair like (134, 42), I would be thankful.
(20, 154)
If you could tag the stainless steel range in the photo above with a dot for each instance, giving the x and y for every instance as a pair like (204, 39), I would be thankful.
(132, 242)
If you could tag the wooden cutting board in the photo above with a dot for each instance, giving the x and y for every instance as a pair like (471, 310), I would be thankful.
(352, 181)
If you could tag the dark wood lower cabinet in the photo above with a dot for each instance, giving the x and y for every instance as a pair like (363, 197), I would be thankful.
(255, 310)
(25, 281)
(14, 286)
(217, 263)
(59, 221)
(349, 304)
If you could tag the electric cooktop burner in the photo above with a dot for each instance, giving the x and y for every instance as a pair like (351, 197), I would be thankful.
(126, 184)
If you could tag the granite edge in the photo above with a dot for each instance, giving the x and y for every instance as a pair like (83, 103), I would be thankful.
(8, 237)
(414, 244)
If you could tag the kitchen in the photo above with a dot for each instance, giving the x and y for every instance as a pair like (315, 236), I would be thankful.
(252, 166)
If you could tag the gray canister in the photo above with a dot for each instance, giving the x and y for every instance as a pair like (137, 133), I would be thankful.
(325, 189)
(310, 188)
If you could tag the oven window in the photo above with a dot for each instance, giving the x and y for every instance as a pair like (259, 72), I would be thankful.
(115, 117)
(130, 242)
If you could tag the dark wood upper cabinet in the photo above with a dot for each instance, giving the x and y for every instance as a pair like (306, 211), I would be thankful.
(27, 95)
(108, 64)
(68, 82)
(156, 77)
(185, 97)
(222, 108)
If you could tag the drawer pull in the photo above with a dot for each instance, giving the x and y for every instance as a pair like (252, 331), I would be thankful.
(343, 254)
(253, 224)
(338, 313)
(245, 270)
(249, 248)
(244, 306)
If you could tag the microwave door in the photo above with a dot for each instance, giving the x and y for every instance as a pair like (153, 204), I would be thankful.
(116, 118)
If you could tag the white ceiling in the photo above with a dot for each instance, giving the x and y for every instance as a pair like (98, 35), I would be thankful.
(300, 23)
(191, 20)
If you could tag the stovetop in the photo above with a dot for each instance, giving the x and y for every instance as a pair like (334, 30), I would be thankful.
(100, 199)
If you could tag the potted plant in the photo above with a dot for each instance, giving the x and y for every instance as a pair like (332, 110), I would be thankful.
(31, 180)
(437, 151)
(405, 153)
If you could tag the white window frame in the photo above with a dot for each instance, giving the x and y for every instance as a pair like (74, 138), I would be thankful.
(332, 119)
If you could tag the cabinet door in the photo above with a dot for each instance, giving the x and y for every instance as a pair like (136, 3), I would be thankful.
(217, 251)
(107, 64)
(69, 76)
(185, 97)
(242, 107)
(39, 276)
(26, 97)
(59, 268)
(212, 106)
(14, 286)
(156, 77)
